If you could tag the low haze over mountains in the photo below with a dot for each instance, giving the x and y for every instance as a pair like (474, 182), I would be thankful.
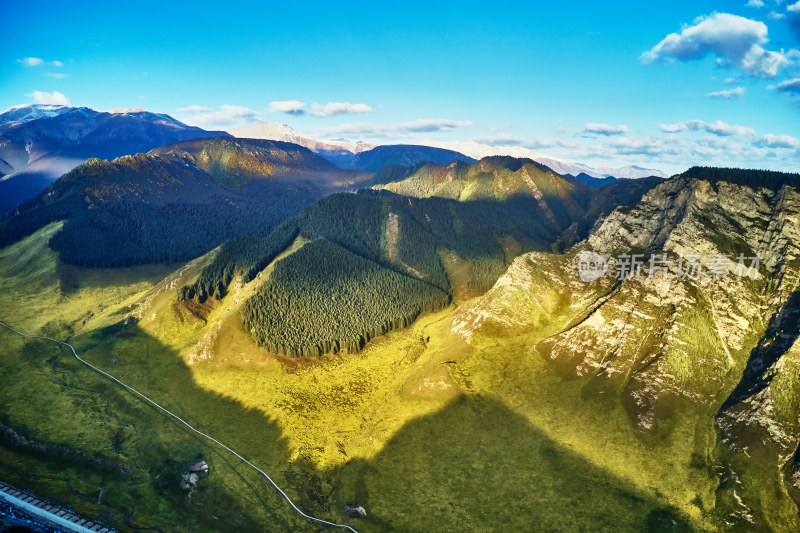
(39, 143)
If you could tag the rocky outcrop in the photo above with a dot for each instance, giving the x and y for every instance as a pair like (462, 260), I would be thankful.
(688, 323)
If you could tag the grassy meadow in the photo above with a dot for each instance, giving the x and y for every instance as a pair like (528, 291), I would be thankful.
(426, 432)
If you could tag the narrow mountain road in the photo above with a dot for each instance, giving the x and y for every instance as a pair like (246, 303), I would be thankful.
(189, 426)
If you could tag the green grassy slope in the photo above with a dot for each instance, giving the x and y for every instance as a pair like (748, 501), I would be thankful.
(426, 432)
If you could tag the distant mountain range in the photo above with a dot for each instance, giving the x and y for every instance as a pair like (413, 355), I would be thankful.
(480, 150)
(349, 154)
(39, 143)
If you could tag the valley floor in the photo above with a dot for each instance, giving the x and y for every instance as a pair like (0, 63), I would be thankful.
(425, 431)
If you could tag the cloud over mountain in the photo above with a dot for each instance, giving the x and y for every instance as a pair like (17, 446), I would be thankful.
(226, 115)
(44, 97)
(331, 109)
(383, 131)
(778, 141)
(290, 107)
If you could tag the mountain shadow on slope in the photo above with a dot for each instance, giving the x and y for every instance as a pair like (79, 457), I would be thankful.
(782, 332)
(69, 458)
(454, 470)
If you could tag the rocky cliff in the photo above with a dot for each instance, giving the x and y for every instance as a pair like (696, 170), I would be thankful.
(698, 308)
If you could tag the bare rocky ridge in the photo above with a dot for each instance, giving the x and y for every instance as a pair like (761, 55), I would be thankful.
(721, 340)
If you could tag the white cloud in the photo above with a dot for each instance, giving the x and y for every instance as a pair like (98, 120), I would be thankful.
(333, 109)
(193, 109)
(384, 131)
(36, 62)
(57, 75)
(31, 61)
(730, 81)
(604, 129)
(226, 115)
(774, 15)
(789, 86)
(43, 97)
(290, 107)
(794, 18)
(735, 40)
(506, 139)
(778, 141)
(755, 3)
(651, 146)
(730, 93)
(716, 128)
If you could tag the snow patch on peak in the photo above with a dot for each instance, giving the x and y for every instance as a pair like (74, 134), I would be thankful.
(26, 113)
(129, 110)
(279, 131)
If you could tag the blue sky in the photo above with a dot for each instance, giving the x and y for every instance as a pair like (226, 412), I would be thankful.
(604, 83)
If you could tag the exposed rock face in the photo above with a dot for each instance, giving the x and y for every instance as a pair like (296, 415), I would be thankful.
(667, 332)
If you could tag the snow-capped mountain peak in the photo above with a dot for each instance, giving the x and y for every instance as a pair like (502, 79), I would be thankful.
(279, 131)
(29, 112)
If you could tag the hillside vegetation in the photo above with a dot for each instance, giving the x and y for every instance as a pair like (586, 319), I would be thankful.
(324, 299)
(175, 203)
(459, 246)
(571, 406)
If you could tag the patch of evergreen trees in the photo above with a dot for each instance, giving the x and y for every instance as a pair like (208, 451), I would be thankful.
(243, 256)
(768, 179)
(323, 298)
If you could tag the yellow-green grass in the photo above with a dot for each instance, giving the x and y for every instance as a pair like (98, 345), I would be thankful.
(425, 431)
(35, 288)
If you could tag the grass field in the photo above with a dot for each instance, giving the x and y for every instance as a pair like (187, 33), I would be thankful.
(426, 432)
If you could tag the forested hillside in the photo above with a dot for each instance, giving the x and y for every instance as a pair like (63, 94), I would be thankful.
(458, 247)
(769, 179)
(175, 203)
(323, 299)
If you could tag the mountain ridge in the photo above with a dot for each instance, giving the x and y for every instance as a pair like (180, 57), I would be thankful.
(39, 143)
(176, 202)
(343, 151)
